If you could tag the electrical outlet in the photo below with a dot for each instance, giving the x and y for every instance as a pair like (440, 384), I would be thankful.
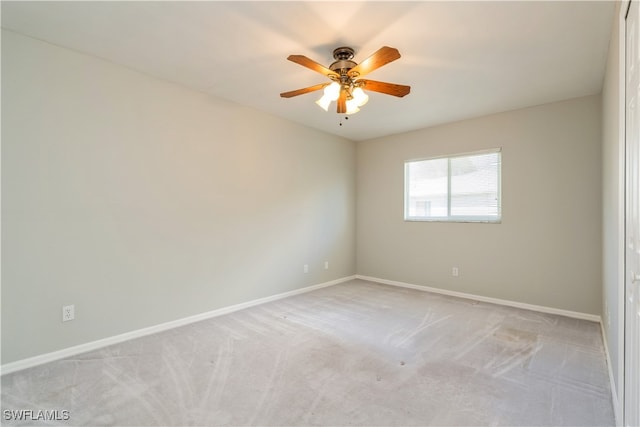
(326, 265)
(455, 272)
(68, 313)
(305, 268)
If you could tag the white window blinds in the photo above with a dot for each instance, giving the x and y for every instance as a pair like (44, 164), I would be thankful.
(456, 188)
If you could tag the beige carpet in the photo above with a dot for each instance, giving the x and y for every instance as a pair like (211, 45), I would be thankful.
(357, 353)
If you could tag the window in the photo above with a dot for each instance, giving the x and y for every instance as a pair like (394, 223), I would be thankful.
(464, 188)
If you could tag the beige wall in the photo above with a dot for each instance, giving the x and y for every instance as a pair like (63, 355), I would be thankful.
(547, 250)
(142, 202)
(613, 208)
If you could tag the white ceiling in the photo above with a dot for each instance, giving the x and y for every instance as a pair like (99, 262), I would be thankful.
(461, 59)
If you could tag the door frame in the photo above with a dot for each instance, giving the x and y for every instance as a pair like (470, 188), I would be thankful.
(625, 5)
(632, 382)
(620, 322)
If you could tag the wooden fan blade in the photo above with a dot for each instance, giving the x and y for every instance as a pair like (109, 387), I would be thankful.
(304, 90)
(386, 88)
(312, 65)
(381, 57)
(342, 102)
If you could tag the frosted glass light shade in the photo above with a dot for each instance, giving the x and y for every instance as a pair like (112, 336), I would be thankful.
(332, 91)
(352, 106)
(324, 102)
(360, 97)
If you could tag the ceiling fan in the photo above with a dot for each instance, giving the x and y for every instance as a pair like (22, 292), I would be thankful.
(346, 86)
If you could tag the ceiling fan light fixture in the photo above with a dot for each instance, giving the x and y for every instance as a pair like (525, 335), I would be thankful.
(352, 106)
(324, 102)
(332, 91)
(360, 97)
(347, 85)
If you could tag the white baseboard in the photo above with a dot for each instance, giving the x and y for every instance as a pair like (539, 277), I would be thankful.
(94, 345)
(617, 409)
(539, 308)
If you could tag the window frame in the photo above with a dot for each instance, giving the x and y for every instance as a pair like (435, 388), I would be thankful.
(497, 219)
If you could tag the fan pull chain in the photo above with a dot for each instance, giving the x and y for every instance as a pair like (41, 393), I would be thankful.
(345, 117)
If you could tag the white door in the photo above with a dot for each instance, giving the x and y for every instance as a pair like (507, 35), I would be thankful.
(632, 281)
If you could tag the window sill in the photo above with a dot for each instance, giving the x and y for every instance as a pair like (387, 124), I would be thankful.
(465, 220)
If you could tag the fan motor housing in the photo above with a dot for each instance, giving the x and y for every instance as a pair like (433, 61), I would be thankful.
(343, 56)
(342, 65)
